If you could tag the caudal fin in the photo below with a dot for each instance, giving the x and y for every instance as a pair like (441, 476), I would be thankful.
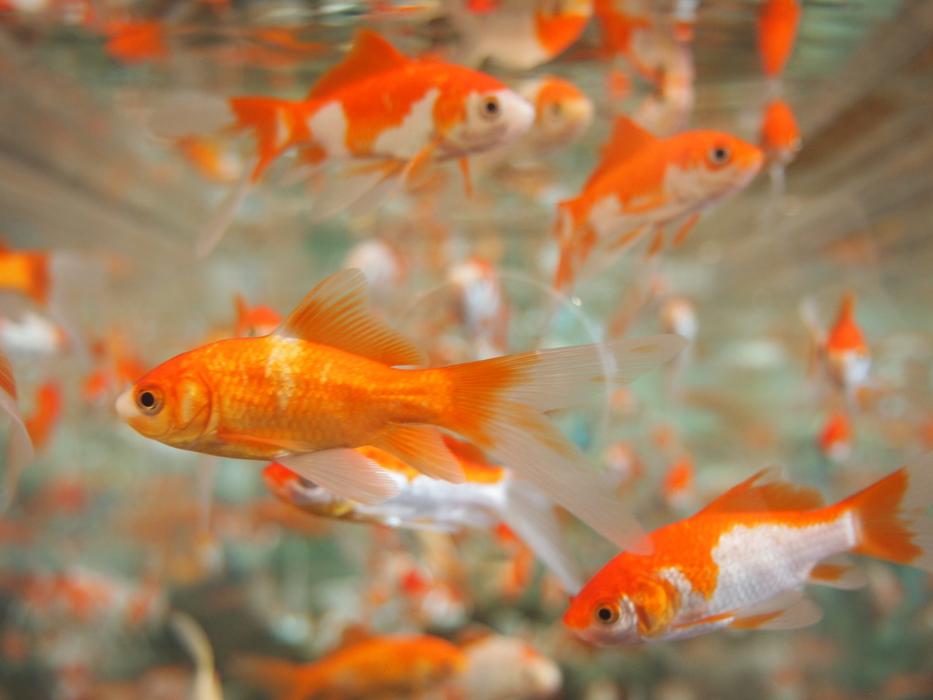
(892, 523)
(530, 515)
(499, 404)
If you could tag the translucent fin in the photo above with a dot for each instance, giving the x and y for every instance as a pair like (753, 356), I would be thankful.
(186, 113)
(19, 451)
(423, 448)
(215, 229)
(342, 189)
(786, 611)
(531, 516)
(346, 473)
(627, 138)
(370, 55)
(335, 313)
(192, 636)
(766, 491)
(838, 572)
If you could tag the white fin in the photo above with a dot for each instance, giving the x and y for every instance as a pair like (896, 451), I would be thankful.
(838, 572)
(336, 313)
(785, 611)
(530, 515)
(346, 473)
(221, 219)
(334, 193)
(423, 448)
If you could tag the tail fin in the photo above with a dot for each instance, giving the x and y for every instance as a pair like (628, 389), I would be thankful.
(499, 404)
(892, 525)
(272, 122)
(530, 515)
(279, 679)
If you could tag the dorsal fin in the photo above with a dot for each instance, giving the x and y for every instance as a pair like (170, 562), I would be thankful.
(335, 313)
(765, 491)
(626, 139)
(370, 54)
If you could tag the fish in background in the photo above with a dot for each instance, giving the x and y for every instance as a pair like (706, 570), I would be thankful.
(254, 321)
(623, 466)
(32, 334)
(677, 487)
(381, 262)
(48, 408)
(505, 668)
(489, 496)
(516, 34)
(377, 666)
(26, 272)
(642, 186)
(205, 685)
(19, 448)
(116, 366)
(480, 306)
(743, 561)
(841, 351)
(835, 439)
(780, 139)
(428, 112)
(777, 31)
(328, 380)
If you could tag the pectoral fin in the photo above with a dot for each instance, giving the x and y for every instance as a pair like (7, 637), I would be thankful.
(345, 473)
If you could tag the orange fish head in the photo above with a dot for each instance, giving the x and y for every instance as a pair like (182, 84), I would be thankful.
(562, 111)
(715, 161)
(607, 619)
(169, 404)
(476, 113)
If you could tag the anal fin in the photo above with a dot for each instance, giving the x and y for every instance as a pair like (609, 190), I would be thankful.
(785, 611)
(423, 448)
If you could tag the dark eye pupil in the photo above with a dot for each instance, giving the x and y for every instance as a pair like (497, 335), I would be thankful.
(146, 399)
(605, 614)
(492, 107)
(720, 154)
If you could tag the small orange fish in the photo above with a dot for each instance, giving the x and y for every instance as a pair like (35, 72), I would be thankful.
(328, 380)
(254, 321)
(517, 34)
(777, 30)
(19, 450)
(42, 422)
(644, 184)
(214, 157)
(501, 668)
(741, 561)
(25, 272)
(403, 666)
(780, 134)
(835, 439)
(562, 112)
(678, 481)
(846, 353)
(136, 40)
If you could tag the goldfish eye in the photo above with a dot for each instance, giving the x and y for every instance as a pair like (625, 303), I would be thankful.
(149, 401)
(489, 107)
(719, 155)
(607, 614)
(556, 109)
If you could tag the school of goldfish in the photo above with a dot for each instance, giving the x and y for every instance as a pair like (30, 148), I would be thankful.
(459, 349)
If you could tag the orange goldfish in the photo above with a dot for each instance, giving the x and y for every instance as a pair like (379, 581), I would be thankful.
(375, 667)
(777, 30)
(254, 321)
(842, 349)
(490, 495)
(518, 34)
(136, 40)
(678, 481)
(644, 184)
(26, 272)
(742, 561)
(215, 158)
(19, 451)
(48, 409)
(780, 134)
(836, 437)
(328, 380)
(562, 111)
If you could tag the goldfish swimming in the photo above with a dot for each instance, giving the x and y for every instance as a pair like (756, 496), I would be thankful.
(32, 334)
(26, 272)
(678, 486)
(780, 134)
(252, 321)
(328, 380)
(777, 30)
(842, 350)
(19, 449)
(518, 34)
(835, 440)
(742, 561)
(562, 112)
(644, 184)
(403, 666)
(489, 495)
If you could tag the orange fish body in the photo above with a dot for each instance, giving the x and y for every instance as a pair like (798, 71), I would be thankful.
(328, 381)
(643, 184)
(777, 30)
(25, 272)
(780, 134)
(373, 667)
(846, 353)
(742, 560)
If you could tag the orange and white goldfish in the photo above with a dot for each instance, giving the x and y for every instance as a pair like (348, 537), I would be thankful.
(32, 334)
(742, 561)
(835, 439)
(19, 449)
(381, 263)
(26, 272)
(252, 321)
(562, 112)
(214, 157)
(328, 380)
(842, 349)
(518, 34)
(428, 111)
(48, 409)
(403, 666)
(489, 495)
(505, 668)
(644, 184)
(777, 30)
(780, 133)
